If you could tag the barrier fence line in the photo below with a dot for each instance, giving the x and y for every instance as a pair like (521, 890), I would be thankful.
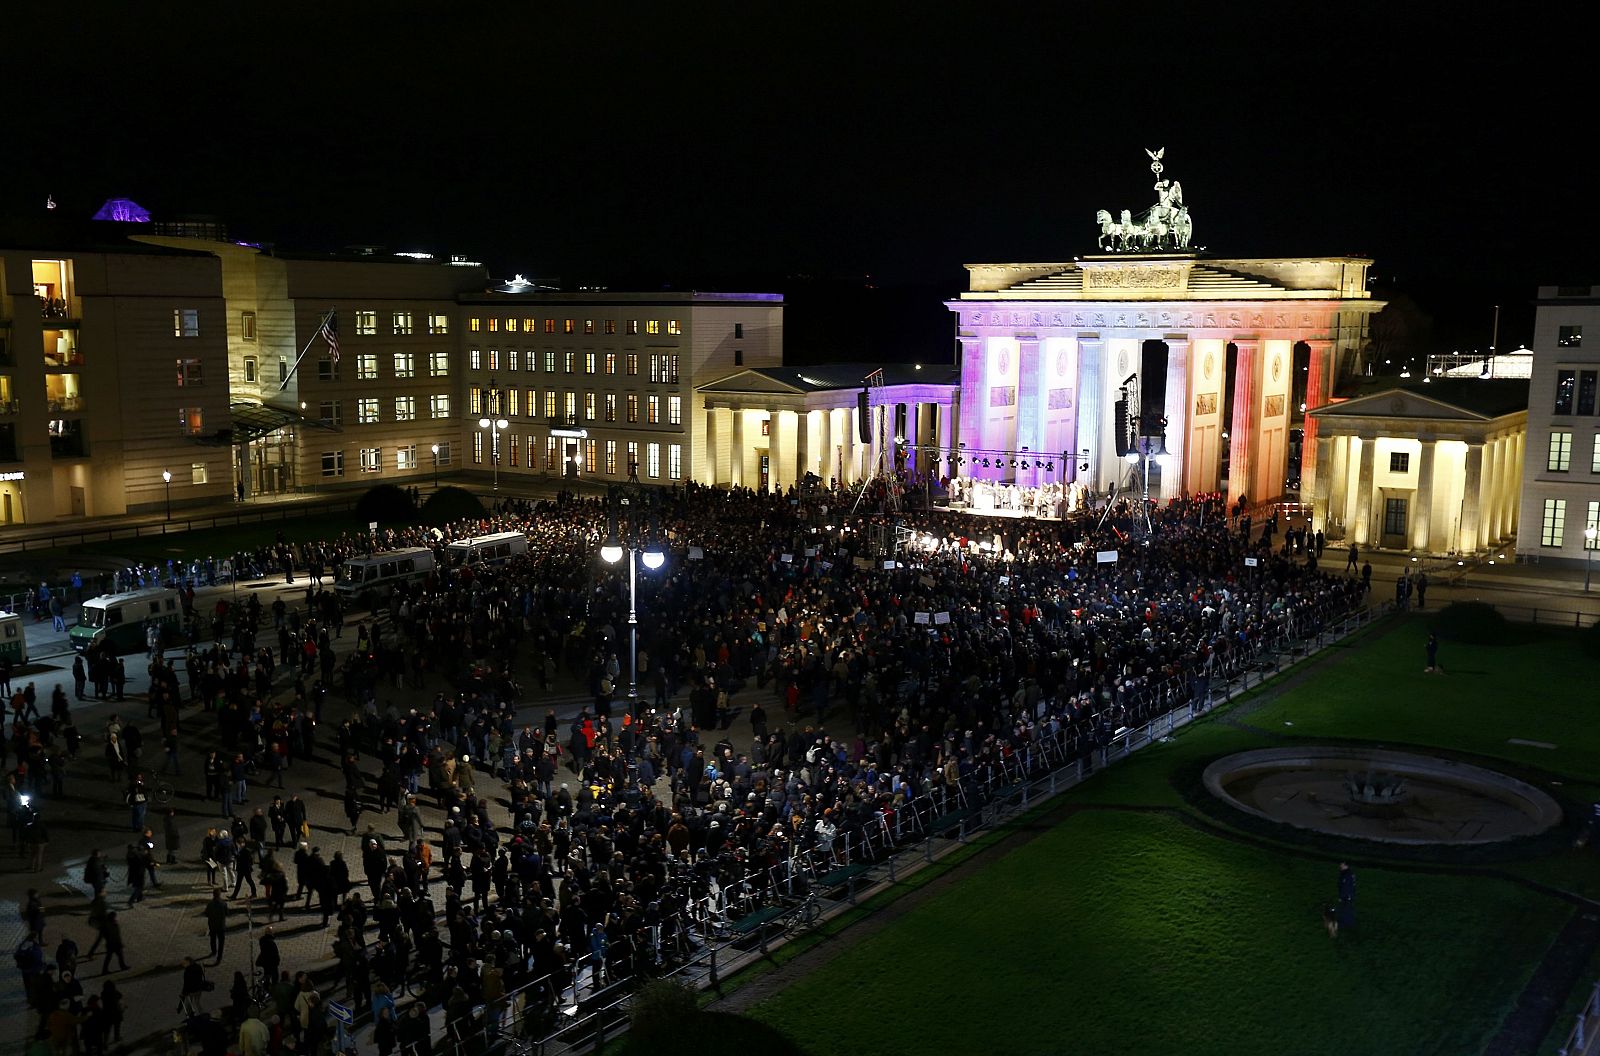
(575, 1008)
(1586, 1028)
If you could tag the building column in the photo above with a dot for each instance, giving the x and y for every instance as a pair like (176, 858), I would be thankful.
(802, 445)
(1311, 460)
(1324, 484)
(1242, 424)
(1339, 493)
(975, 389)
(1471, 500)
(1031, 397)
(1494, 480)
(775, 456)
(712, 475)
(736, 450)
(1091, 355)
(1422, 513)
(1173, 484)
(825, 467)
(1362, 533)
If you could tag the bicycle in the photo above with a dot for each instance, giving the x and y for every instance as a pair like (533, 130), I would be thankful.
(161, 793)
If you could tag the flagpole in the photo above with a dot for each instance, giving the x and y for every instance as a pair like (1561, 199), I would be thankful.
(314, 335)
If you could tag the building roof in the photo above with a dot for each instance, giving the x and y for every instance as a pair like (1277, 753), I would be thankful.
(833, 376)
(1471, 399)
(1171, 277)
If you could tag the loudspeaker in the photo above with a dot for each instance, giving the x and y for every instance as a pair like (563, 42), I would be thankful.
(863, 417)
(1152, 387)
(1119, 425)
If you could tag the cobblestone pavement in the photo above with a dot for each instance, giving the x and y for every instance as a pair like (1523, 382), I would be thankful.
(167, 925)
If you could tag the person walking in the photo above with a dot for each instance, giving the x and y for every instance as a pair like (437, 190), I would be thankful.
(111, 935)
(244, 863)
(216, 914)
(170, 836)
(1355, 557)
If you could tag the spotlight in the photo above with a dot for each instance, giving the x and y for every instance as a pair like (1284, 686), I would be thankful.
(986, 463)
(1049, 467)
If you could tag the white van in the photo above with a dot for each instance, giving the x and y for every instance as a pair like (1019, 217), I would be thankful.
(494, 549)
(368, 577)
(121, 619)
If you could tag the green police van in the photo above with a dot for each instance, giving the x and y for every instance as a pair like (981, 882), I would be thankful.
(120, 619)
(13, 638)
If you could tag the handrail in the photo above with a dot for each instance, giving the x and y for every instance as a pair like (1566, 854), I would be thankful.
(1586, 1028)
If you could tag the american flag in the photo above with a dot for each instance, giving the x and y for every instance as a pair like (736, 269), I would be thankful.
(330, 334)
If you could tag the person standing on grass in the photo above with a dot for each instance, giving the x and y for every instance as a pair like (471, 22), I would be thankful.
(1347, 897)
(1433, 656)
(1421, 584)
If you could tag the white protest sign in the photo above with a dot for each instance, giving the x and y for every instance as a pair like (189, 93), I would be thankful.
(921, 617)
(941, 618)
(1105, 557)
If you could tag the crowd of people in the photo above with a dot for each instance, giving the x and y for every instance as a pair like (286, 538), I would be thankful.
(814, 686)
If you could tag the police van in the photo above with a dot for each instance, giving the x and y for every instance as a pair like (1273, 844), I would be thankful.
(13, 638)
(121, 619)
(494, 549)
(364, 579)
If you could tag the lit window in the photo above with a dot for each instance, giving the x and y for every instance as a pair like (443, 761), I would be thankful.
(367, 366)
(1555, 522)
(494, 359)
(333, 463)
(529, 325)
(633, 458)
(1569, 336)
(438, 364)
(633, 407)
(633, 364)
(438, 324)
(611, 411)
(1594, 455)
(552, 452)
(611, 326)
(475, 400)
(588, 406)
(1566, 386)
(439, 405)
(611, 362)
(570, 326)
(674, 410)
(653, 326)
(511, 326)
(549, 326)
(513, 402)
(569, 363)
(198, 473)
(589, 454)
(549, 362)
(367, 410)
(372, 460)
(405, 457)
(475, 359)
(400, 322)
(474, 325)
(367, 324)
(191, 421)
(247, 326)
(186, 322)
(405, 408)
(611, 457)
(588, 362)
(652, 460)
(477, 449)
(190, 372)
(652, 410)
(330, 412)
(655, 368)
(1592, 525)
(633, 327)
(405, 365)
(672, 369)
(572, 405)
(494, 326)
(1560, 458)
(673, 327)
(550, 404)
(511, 359)
(516, 450)
(588, 326)
(674, 462)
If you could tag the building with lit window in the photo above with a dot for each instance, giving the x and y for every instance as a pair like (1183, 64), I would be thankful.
(1561, 468)
(603, 385)
(113, 371)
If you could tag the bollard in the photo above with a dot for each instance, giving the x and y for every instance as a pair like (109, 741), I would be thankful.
(892, 858)
(713, 947)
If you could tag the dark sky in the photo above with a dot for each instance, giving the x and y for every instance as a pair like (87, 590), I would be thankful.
(832, 148)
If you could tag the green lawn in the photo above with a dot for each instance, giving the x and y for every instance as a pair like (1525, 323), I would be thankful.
(309, 525)
(1119, 932)
(1124, 931)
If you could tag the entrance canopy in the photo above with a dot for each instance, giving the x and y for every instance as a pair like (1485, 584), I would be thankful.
(252, 421)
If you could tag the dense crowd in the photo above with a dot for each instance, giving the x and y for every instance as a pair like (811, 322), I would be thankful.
(887, 668)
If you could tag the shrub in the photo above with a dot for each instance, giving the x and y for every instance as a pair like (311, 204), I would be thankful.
(660, 1014)
(387, 504)
(1473, 623)
(448, 505)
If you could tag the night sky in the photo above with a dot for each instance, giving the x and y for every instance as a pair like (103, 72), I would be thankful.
(854, 161)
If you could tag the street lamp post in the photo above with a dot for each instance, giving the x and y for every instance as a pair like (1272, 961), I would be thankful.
(497, 425)
(641, 547)
(166, 480)
(1588, 555)
(435, 467)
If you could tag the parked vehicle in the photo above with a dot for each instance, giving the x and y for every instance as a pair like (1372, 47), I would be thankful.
(121, 619)
(13, 638)
(364, 579)
(495, 549)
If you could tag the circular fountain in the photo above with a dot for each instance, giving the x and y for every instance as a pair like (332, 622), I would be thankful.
(1377, 794)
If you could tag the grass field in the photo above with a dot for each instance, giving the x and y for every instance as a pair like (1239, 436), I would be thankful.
(1156, 930)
